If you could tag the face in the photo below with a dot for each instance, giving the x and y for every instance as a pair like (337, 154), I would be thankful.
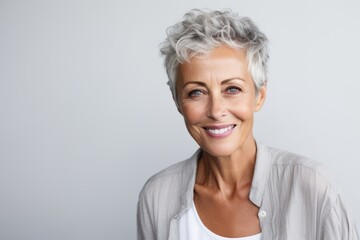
(216, 96)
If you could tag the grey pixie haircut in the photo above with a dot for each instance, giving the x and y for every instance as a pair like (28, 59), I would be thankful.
(201, 31)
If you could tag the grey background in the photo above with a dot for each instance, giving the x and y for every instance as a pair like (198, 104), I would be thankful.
(86, 116)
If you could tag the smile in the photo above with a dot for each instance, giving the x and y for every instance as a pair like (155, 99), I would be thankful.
(219, 131)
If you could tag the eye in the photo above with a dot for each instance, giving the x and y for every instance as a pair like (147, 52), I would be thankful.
(195, 93)
(233, 90)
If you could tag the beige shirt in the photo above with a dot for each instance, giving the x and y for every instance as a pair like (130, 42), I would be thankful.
(297, 199)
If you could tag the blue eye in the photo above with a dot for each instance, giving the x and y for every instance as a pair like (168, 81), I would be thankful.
(195, 93)
(233, 90)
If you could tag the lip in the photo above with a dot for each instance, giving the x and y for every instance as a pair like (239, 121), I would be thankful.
(219, 131)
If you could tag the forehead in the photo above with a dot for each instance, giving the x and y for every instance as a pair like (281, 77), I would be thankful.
(219, 64)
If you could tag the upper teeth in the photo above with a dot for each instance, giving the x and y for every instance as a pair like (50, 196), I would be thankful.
(219, 131)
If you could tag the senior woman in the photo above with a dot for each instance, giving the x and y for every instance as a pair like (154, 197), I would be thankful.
(233, 187)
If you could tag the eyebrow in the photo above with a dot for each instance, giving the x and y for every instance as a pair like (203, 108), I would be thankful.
(230, 79)
(222, 82)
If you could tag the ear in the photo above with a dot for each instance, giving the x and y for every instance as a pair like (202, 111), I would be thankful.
(260, 99)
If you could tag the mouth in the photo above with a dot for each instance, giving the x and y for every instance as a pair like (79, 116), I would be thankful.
(220, 131)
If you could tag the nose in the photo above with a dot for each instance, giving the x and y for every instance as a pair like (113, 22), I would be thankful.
(216, 108)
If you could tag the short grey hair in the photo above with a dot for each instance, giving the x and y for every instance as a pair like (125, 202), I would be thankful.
(201, 31)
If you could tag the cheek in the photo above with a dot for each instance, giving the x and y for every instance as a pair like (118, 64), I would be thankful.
(192, 115)
(244, 111)
(193, 112)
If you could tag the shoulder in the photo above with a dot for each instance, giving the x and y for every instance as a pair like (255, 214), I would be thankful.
(289, 160)
(306, 187)
(171, 181)
(302, 173)
(170, 176)
(163, 194)
(282, 157)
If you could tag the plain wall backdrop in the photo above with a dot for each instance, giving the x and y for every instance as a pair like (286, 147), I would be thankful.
(87, 117)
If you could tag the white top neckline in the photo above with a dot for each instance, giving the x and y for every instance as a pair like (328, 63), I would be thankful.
(191, 227)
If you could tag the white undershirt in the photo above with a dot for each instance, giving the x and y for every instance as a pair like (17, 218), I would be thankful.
(192, 228)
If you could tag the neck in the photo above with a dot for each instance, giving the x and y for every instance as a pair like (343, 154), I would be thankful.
(228, 174)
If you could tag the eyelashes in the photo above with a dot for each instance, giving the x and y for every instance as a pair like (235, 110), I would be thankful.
(195, 93)
(233, 90)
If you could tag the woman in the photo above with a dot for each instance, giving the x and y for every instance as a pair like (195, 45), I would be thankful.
(233, 187)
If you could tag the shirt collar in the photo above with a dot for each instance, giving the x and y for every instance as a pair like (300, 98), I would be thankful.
(188, 181)
(261, 174)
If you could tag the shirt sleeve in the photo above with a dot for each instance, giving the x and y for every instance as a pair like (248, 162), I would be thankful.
(339, 225)
(145, 230)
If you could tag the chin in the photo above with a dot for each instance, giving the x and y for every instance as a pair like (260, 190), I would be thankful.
(219, 151)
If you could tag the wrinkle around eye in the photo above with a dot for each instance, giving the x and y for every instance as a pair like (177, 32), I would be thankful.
(233, 90)
(195, 93)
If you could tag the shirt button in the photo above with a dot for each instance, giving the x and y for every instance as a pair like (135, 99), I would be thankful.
(262, 214)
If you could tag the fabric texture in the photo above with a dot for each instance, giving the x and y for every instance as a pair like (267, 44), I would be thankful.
(296, 196)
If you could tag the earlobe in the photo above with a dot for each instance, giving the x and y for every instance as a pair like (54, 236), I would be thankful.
(260, 98)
